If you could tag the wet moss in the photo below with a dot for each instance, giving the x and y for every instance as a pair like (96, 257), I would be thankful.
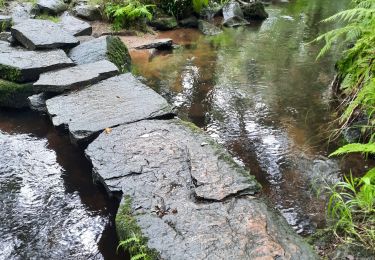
(130, 234)
(118, 54)
(14, 95)
(10, 73)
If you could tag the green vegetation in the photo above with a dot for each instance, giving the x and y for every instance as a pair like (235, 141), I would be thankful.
(351, 204)
(10, 73)
(13, 94)
(130, 234)
(51, 18)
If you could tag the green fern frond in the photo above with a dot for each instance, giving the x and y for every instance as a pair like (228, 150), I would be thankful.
(368, 148)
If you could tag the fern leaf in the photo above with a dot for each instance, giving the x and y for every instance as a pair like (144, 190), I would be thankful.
(368, 148)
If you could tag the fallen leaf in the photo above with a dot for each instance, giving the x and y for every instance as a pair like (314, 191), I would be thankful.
(108, 130)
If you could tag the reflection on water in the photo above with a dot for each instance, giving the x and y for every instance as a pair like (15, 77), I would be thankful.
(260, 92)
(49, 208)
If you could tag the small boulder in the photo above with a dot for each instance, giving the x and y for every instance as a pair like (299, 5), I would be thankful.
(79, 76)
(88, 12)
(190, 22)
(159, 44)
(254, 11)
(24, 66)
(37, 102)
(106, 47)
(22, 11)
(52, 7)
(233, 15)
(74, 25)
(164, 23)
(208, 28)
(42, 34)
(13, 95)
(5, 22)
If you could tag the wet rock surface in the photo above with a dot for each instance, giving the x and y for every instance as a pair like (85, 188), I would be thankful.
(42, 34)
(105, 47)
(159, 44)
(22, 66)
(185, 193)
(74, 77)
(233, 15)
(74, 25)
(52, 7)
(118, 100)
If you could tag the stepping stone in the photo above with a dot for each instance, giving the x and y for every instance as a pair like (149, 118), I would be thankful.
(74, 25)
(186, 195)
(74, 77)
(42, 34)
(87, 12)
(106, 47)
(52, 7)
(23, 66)
(118, 100)
(159, 44)
(5, 22)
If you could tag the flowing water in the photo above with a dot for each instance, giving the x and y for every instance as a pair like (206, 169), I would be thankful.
(259, 91)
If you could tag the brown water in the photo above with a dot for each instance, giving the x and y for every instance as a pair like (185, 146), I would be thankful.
(259, 91)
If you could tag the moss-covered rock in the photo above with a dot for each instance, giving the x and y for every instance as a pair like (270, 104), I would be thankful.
(164, 23)
(118, 54)
(14, 95)
(254, 11)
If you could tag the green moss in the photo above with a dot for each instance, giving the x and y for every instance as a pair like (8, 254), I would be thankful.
(118, 54)
(130, 234)
(51, 18)
(14, 95)
(10, 73)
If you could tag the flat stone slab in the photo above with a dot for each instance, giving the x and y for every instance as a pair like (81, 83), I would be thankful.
(23, 66)
(118, 100)
(188, 197)
(159, 44)
(52, 7)
(42, 34)
(74, 77)
(75, 26)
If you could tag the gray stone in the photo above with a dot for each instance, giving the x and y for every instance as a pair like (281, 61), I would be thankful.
(118, 100)
(75, 77)
(37, 102)
(52, 7)
(188, 197)
(85, 38)
(22, 11)
(164, 23)
(5, 22)
(22, 66)
(42, 34)
(159, 44)
(233, 15)
(88, 12)
(208, 29)
(4, 36)
(74, 25)
(105, 47)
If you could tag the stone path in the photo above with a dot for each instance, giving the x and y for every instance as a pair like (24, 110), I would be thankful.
(185, 193)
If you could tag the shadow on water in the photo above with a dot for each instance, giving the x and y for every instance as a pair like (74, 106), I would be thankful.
(259, 91)
(50, 208)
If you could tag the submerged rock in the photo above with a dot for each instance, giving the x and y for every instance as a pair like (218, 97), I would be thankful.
(52, 7)
(164, 23)
(187, 196)
(42, 34)
(79, 76)
(254, 11)
(88, 12)
(105, 47)
(233, 15)
(14, 95)
(159, 44)
(208, 29)
(74, 25)
(23, 66)
(118, 100)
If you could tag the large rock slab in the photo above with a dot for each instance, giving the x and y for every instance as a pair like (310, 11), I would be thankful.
(74, 25)
(52, 7)
(42, 34)
(233, 15)
(105, 47)
(23, 66)
(188, 197)
(117, 100)
(74, 77)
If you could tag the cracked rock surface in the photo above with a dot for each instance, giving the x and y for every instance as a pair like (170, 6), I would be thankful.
(118, 100)
(188, 196)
